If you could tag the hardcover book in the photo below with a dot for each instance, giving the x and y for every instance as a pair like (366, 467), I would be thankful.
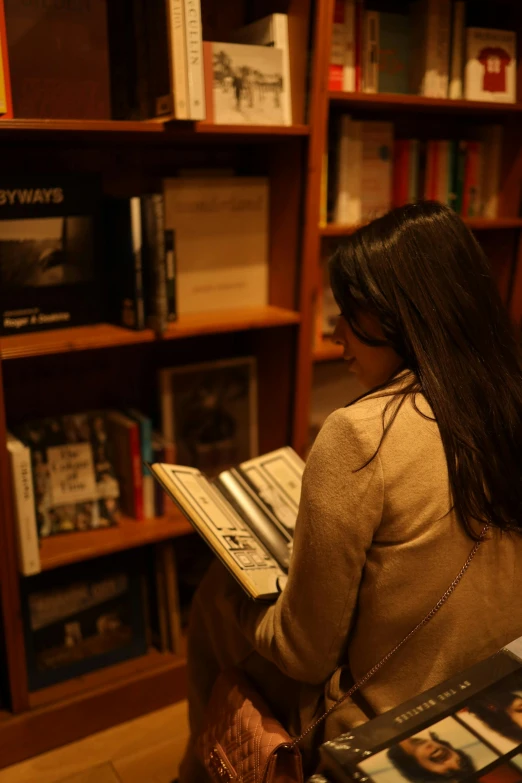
(74, 480)
(466, 728)
(246, 515)
(491, 60)
(58, 54)
(82, 618)
(221, 234)
(248, 85)
(49, 260)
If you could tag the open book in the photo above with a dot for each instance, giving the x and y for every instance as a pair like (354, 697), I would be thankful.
(246, 515)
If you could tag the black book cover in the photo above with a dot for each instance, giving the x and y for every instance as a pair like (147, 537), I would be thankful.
(123, 261)
(50, 267)
(467, 728)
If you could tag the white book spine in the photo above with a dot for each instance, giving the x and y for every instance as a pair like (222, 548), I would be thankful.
(25, 508)
(430, 78)
(349, 64)
(443, 47)
(457, 51)
(371, 52)
(280, 36)
(348, 206)
(194, 38)
(178, 58)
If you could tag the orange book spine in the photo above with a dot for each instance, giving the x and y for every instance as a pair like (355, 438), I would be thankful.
(5, 80)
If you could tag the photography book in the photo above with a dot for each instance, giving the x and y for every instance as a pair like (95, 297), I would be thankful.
(246, 515)
(467, 728)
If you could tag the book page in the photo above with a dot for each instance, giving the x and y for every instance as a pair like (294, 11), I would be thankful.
(222, 528)
(277, 478)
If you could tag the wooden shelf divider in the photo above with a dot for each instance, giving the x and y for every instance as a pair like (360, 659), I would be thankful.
(83, 338)
(386, 101)
(68, 548)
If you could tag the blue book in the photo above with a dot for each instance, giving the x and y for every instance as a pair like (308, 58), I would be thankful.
(394, 52)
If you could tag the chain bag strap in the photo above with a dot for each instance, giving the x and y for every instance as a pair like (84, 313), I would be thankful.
(360, 683)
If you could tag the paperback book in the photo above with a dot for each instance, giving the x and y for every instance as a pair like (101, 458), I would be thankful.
(246, 515)
(490, 72)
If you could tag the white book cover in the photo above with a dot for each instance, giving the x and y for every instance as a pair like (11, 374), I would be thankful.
(221, 232)
(457, 50)
(490, 73)
(377, 168)
(248, 85)
(272, 31)
(178, 58)
(194, 43)
(348, 200)
(371, 52)
(24, 506)
(492, 156)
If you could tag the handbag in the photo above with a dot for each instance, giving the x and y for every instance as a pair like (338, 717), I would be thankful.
(242, 742)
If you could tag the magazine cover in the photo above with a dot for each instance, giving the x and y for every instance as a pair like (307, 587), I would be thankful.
(467, 728)
(49, 259)
(74, 480)
(83, 617)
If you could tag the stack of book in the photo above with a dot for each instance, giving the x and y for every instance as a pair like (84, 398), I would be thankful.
(368, 171)
(439, 49)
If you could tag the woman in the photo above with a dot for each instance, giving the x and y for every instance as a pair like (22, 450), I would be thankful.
(396, 488)
(430, 760)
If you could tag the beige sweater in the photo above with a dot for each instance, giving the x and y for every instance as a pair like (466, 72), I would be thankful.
(374, 550)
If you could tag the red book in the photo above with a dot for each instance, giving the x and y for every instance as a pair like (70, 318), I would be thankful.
(6, 104)
(359, 23)
(471, 190)
(125, 440)
(401, 172)
(337, 52)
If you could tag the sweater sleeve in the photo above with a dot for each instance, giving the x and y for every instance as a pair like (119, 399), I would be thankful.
(305, 632)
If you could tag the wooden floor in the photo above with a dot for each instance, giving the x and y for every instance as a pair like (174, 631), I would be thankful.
(145, 750)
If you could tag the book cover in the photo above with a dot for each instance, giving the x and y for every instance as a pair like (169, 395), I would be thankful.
(394, 52)
(194, 46)
(376, 168)
(124, 433)
(6, 106)
(50, 270)
(491, 60)
(273, 31)
(68, 79)
(83, 617)
(248, 85)
(123, 254)
(463, 729)
(455, 91)
(371, 52)
(221, 228)
(24, 505)
(75, 484)
(210, 412)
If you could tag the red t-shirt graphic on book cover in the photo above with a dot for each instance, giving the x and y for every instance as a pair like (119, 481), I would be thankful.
(495, 61)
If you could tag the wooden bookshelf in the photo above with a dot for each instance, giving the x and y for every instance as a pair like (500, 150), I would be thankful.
(252, 130)
(83, 338)
(65, 549)
(327, 351)
(475, 224)
(361, 101)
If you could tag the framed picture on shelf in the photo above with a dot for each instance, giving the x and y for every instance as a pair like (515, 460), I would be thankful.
(209, 411)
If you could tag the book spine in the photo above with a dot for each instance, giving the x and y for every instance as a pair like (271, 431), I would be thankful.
(371, 52)
(359, 29)
(492, 141)
(194, 38)
(25, 509)
(158, 456)
(153, 225)
(430, 86)
(172, 596)
(443, 47)
(469, 200)
(280, 36)
(170, 269)
(178, 58)
(401, 155)
(337, 49)
(443, 181)
(432, 167)
(461, 168)
(349, 64)
(137, 246)
(453, 173)
(208, 75)
(6, 104)
(457, 50)
(414, 172)
(348, 203)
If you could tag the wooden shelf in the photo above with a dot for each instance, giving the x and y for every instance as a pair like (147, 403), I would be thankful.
(61, 550)
(83, 338)
(252, 130)
(81, 126)
(94, 702)
(475, 224)
(327, 351)
(382, 101)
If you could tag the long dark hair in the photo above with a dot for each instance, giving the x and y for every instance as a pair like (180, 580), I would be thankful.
(412, 770)
(421, 272)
